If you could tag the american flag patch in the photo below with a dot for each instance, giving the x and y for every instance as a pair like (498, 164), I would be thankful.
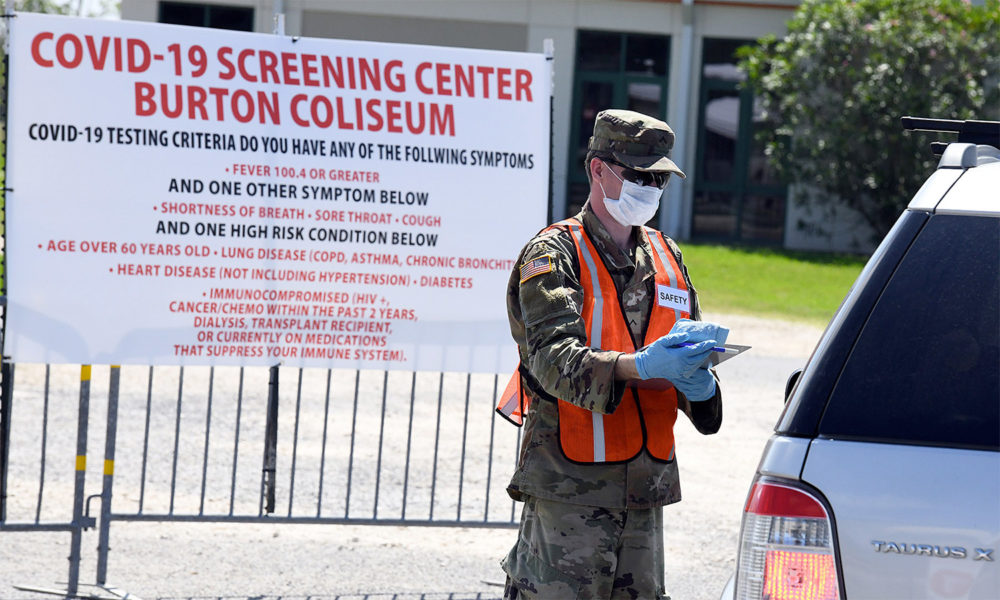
(536, 266)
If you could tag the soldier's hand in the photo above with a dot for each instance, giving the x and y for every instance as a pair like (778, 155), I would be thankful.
(701, 330)
(665, 359)
(697, 388)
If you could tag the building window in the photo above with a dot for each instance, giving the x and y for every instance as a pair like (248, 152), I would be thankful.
(237, 18)
(613, 70)
(736, 196)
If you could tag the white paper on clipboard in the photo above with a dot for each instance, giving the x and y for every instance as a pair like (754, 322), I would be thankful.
(715, 358)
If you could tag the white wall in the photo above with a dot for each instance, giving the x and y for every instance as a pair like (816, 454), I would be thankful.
(826, 227)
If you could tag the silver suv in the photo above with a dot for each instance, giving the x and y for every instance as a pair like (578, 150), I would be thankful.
(882, 480)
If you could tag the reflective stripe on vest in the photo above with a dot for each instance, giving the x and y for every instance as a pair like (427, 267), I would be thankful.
(645, 417)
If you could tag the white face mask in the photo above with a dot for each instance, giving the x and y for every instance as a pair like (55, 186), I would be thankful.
(635, 205)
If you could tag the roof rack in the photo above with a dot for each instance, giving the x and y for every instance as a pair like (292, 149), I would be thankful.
(972, 132)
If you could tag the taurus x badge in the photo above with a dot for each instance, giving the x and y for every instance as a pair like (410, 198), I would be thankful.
(931, 550)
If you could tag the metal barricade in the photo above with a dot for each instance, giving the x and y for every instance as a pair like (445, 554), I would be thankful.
(254, 445)
(70, 475)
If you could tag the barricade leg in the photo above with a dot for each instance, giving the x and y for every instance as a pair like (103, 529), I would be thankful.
(78, 491)
(269, 470)
(6, 403)
(104, 526)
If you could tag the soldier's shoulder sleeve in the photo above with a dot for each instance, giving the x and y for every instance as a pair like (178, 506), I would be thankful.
(547, 278)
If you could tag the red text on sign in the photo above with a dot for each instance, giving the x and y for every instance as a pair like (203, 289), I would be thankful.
(69, 50)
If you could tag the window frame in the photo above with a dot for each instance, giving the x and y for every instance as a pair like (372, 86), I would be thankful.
(206, 13)
(739, 187)
(619, 80)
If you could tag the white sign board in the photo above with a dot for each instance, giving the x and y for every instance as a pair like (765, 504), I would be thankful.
(201, 197)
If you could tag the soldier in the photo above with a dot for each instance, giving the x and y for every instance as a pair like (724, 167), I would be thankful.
(611, 344)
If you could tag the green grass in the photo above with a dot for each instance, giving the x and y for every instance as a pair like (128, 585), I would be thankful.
(768, 282)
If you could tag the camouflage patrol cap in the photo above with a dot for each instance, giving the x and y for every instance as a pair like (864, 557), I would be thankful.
(634, 140)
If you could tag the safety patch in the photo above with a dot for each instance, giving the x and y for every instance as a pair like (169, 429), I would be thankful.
(536, 266)
(675, 298)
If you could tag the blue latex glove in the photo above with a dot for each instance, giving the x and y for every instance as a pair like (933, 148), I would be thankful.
(698, 387)
(701, 330)
(664, 358)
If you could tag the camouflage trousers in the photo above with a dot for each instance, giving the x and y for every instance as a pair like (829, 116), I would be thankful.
(567, 551)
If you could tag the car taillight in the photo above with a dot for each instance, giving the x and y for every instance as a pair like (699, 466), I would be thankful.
(786, 550)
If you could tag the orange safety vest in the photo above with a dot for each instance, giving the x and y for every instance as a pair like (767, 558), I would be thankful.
(645, 417)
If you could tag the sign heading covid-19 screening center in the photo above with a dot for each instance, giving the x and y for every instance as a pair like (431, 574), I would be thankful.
(189, 196)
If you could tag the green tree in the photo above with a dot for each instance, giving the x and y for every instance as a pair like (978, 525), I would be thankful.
(79, 8)
(833, 89)
(51, 7)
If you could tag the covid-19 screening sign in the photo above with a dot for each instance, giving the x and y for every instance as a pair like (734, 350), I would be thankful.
(192, 196)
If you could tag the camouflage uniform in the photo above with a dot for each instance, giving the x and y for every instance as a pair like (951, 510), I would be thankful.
(571, 551)
(581, 520)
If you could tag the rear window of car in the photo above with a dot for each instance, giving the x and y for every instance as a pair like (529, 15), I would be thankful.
(925, 368)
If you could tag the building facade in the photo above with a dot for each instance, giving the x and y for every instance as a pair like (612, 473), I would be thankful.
(670, 58)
